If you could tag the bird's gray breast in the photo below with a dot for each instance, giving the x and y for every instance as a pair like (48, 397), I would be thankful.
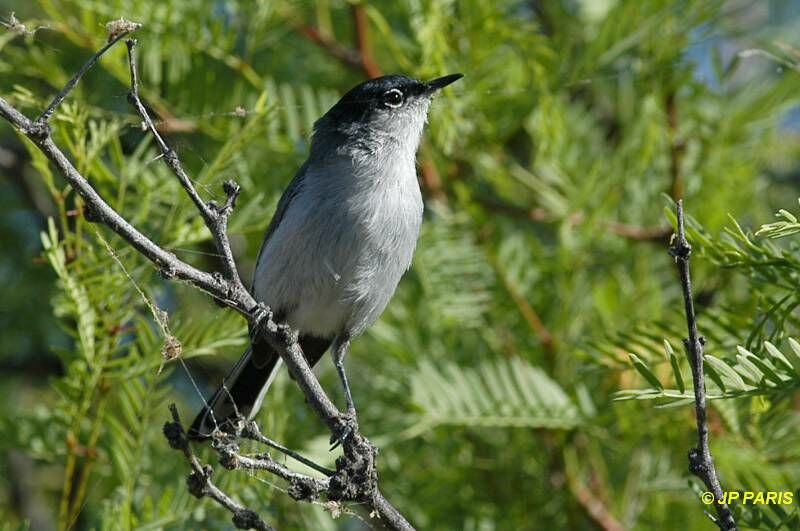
(335, 259)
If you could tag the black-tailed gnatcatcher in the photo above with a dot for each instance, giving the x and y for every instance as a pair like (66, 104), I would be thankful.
(342, 236)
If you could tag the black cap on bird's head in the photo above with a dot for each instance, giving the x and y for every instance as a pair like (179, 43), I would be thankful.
(384, 98)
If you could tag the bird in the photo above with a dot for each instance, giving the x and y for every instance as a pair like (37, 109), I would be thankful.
(342, 236)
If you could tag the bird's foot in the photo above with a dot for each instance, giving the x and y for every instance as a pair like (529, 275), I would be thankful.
(348, 425)
(261, 315)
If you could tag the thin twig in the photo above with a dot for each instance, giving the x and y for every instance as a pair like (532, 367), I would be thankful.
(658, 234)
(634, 232)
(701, 463)
(215, 217)
(170, 157)
(345, 55)
(431, 180)
(302, 487)
(252, 432)
(125, 29)
(368, 64)
(266, 462)
(593, 505)
(677, 147)
(527, 311)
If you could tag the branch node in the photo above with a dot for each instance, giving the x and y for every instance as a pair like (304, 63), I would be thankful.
(171, 157)
(39, 130)
(680, 249)
(696, 464)
(91, 214)
(167, 272)
(173, 431)
(284, 332)
(304, 490)
(196, 482)
(232, 191)
(228, 452)
(120, 27)
(247, 519)
(356, 478)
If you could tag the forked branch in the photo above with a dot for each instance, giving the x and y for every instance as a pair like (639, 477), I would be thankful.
(355, 477)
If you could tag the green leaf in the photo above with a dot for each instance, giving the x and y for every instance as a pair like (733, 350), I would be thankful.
(644, 370)
(673, 361)
(747, 368)
(732, 380)
(794, 354)
(778, 355)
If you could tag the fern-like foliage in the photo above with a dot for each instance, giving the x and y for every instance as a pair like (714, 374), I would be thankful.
(770, 372)
(504, 393)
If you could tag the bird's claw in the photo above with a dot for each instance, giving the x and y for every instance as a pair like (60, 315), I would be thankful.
(261, 313)
(348, 426)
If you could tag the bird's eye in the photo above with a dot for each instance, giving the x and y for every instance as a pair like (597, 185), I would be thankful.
(393, 98)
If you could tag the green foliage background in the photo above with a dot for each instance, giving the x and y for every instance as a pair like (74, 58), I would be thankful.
(495, 381)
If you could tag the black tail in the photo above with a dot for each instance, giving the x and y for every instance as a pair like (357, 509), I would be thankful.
(243, 389)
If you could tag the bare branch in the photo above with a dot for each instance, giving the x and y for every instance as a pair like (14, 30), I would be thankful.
(252, 432)
(368, 64)
(355, 477)
(657, 234)
(301, 486)
(701, 463)
(336, 49)
(215, 217)
(526, 310)
(168, 264)
(124, 28)
(594, 506)
(199, 481)
(677, 148)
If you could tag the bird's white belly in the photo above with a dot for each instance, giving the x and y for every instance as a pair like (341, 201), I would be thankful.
(321, 309)
(331, 270)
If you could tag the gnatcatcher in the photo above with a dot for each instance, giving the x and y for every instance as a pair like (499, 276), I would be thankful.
(342, 236)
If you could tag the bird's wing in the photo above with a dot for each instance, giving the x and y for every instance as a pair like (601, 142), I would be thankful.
(262, 352)
(286, 199)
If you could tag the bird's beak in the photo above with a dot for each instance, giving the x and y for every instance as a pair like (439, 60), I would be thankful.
(441, 82)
